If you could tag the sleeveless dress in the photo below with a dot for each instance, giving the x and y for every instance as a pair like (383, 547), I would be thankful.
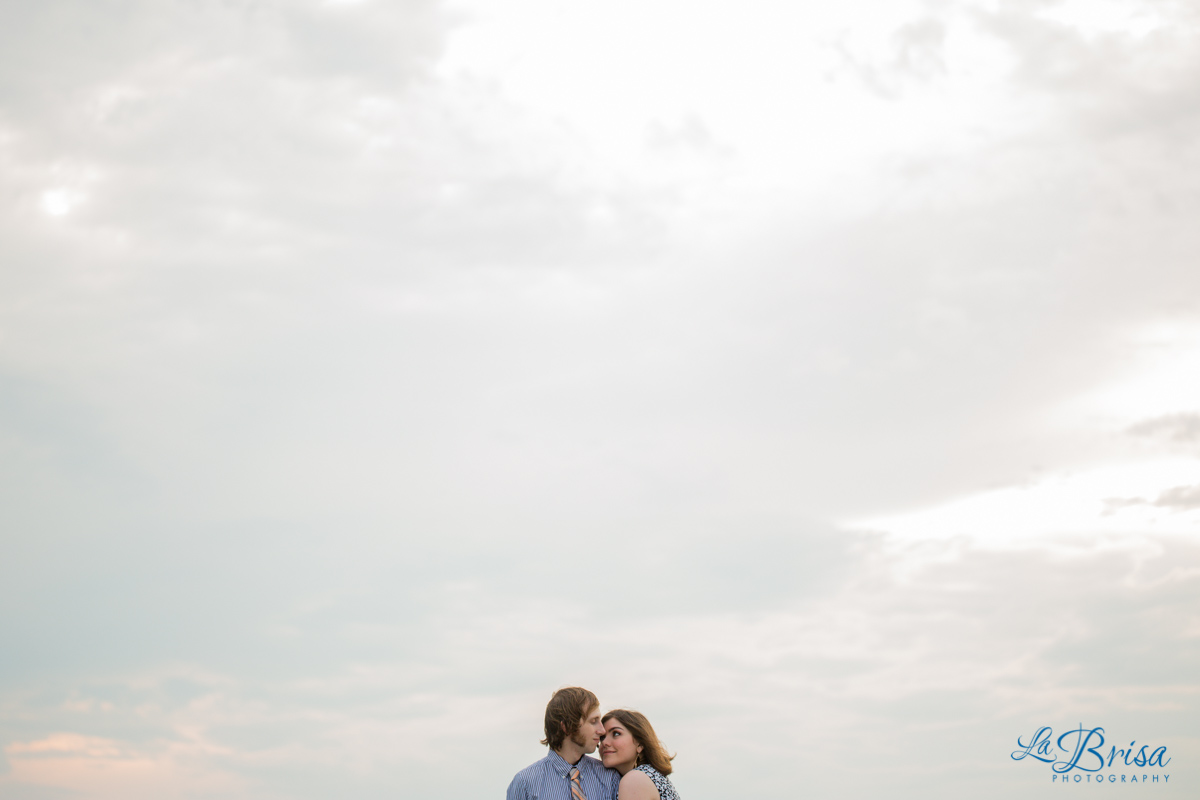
(665, 790)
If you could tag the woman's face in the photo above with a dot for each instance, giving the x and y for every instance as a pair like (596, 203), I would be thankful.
(618, 749)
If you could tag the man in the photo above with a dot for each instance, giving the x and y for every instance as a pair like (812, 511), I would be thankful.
(573, 729)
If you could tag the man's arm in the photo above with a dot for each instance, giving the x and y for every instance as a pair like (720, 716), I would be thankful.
(518, 791)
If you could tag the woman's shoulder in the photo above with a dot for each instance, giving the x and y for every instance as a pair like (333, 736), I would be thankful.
(662, 785)
(639, 775)
(637, 785)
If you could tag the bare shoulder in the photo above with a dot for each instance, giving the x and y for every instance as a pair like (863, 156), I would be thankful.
(637, 786)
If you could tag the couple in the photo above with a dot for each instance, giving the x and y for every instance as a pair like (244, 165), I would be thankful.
(635, 764)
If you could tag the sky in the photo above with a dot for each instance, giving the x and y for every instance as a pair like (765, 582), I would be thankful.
(820, 379)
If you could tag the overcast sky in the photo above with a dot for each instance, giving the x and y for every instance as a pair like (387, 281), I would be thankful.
(821, 379)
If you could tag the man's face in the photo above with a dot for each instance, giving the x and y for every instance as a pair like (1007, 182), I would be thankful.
(589, 732)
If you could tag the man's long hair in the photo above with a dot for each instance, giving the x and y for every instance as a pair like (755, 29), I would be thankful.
(653, 752)
(565, 711)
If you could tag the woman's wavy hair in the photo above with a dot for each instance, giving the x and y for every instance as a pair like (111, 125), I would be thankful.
(653, 752)
(565, 711)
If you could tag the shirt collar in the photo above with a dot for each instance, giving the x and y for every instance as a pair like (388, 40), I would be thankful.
(560, 765)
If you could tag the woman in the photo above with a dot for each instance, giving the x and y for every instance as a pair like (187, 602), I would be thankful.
(631, 747)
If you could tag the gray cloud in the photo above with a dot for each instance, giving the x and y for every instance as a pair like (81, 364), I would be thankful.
(1115, 84)
(957, 646)
(1180, 498)
(1177, 498)
(1182, 428)
(915, 56)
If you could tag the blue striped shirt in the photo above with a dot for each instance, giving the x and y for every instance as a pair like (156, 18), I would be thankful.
(547, 780)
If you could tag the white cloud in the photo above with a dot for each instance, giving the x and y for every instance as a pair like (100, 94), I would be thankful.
(1159, 377)
(59, 202)
(1118, 498)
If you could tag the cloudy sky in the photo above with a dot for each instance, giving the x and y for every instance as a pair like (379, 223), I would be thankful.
(822, 379)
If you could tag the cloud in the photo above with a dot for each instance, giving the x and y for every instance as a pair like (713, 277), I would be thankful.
(948, 643)
(1182, 428)
(369, 370)
(1130, 77)
(1180, 497)
(915, 54)
(72, 763)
